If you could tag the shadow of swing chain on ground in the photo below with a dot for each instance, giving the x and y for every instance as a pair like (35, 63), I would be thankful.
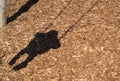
(80, 18)
(42, 43)
(23, 9)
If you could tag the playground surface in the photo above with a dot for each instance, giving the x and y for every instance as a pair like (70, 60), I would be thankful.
(88, 31)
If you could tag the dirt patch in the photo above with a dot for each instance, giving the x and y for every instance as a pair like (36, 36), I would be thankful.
(90, 45)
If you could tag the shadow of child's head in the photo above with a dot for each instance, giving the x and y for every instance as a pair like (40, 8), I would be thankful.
(50, 37)
(54, 41)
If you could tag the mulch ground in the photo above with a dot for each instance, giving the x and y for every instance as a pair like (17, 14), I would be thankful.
(89, 34)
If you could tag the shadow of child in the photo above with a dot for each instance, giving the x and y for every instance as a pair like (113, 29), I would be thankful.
(42, 43)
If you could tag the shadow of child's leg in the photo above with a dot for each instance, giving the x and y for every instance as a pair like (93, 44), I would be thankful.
(17, 57)
(24, 63)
